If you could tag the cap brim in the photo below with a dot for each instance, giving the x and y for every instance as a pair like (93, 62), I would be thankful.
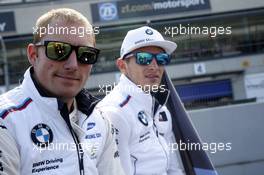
(168, 46)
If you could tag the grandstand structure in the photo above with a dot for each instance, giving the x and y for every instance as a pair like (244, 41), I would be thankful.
(220, 43)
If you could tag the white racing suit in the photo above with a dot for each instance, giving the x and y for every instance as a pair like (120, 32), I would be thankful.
(144, 130)
(39, 136)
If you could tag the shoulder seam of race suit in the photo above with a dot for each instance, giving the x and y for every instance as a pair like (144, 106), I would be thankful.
(123, 103)
(18, 107)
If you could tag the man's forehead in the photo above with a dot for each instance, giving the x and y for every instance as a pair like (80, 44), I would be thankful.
(76, 41)
(73, 34)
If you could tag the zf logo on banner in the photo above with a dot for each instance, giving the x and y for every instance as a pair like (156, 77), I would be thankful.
(108, 11)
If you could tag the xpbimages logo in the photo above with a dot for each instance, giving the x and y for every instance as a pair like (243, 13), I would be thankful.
(62, 146)
(80, 31)
(212, 147)
(106, 89)
(188, 29)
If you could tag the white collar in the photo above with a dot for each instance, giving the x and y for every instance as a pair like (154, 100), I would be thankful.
(73, 115)
(29, 88)
(76, 120)
(127, 87)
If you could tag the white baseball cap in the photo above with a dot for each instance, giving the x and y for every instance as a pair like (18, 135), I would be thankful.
(142, 37)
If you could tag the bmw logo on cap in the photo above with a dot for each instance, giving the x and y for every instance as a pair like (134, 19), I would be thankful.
(143, 118)
(41, 135)
(149, 32)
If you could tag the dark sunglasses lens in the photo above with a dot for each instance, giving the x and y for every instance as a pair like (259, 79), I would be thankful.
(86, 55)
(144, 58)
(58, 51)
(163, 59)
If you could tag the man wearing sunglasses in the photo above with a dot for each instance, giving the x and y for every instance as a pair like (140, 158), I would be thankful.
(48, 125)
(136, 106)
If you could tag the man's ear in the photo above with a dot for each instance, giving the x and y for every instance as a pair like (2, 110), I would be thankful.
(32, 53)
(121, 64)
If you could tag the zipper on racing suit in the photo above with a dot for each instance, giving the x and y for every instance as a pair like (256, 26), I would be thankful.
(155, 128)
(65, 114)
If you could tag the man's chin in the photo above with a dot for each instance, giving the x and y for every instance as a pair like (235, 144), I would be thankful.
(153, 81)
(67, 93)
(151, 87)
(154, 84)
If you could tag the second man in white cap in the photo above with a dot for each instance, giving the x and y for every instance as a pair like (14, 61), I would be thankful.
(139, 115)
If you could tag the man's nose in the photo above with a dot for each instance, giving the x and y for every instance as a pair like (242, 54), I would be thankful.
(154, 63)
(72, 62)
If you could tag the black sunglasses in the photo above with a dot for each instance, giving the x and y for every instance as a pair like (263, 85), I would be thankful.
(145, 58)
(60, 51)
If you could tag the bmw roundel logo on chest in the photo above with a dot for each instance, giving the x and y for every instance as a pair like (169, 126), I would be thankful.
(142, 117)
(41, 135)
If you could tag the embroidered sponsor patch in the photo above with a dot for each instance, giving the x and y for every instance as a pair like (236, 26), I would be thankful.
(125, 101)
(93, 136)
(20, 107)
(90, 125)
(42, 166)
(163, 116)
(116, 154)
(93, 151)
(143, 118)
(42, 135)
(144, 137)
